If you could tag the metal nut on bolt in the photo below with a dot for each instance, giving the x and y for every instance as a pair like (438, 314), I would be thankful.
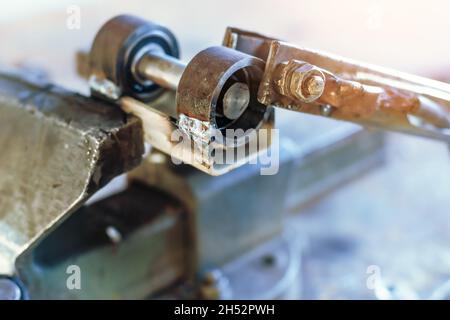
(300, 81)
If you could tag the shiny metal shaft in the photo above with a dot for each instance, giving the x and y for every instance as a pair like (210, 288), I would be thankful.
(162, 69)
(166, 71)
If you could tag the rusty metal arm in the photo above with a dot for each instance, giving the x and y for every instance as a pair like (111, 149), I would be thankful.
(323, 84)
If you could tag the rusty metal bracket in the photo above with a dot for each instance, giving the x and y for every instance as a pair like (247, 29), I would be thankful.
(323, 84)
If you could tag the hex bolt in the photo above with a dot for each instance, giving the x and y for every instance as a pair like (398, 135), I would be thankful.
(9, 289)
(159, 68)
(300, 81)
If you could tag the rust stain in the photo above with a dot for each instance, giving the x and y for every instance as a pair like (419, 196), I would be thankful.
(359, 100)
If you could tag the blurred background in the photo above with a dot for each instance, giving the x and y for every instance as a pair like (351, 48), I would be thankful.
(396, 216)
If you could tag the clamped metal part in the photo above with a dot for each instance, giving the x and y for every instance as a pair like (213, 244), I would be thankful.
(135, 63)
(236, 87)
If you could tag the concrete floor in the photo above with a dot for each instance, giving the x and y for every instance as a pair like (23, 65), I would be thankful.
(396, 218)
